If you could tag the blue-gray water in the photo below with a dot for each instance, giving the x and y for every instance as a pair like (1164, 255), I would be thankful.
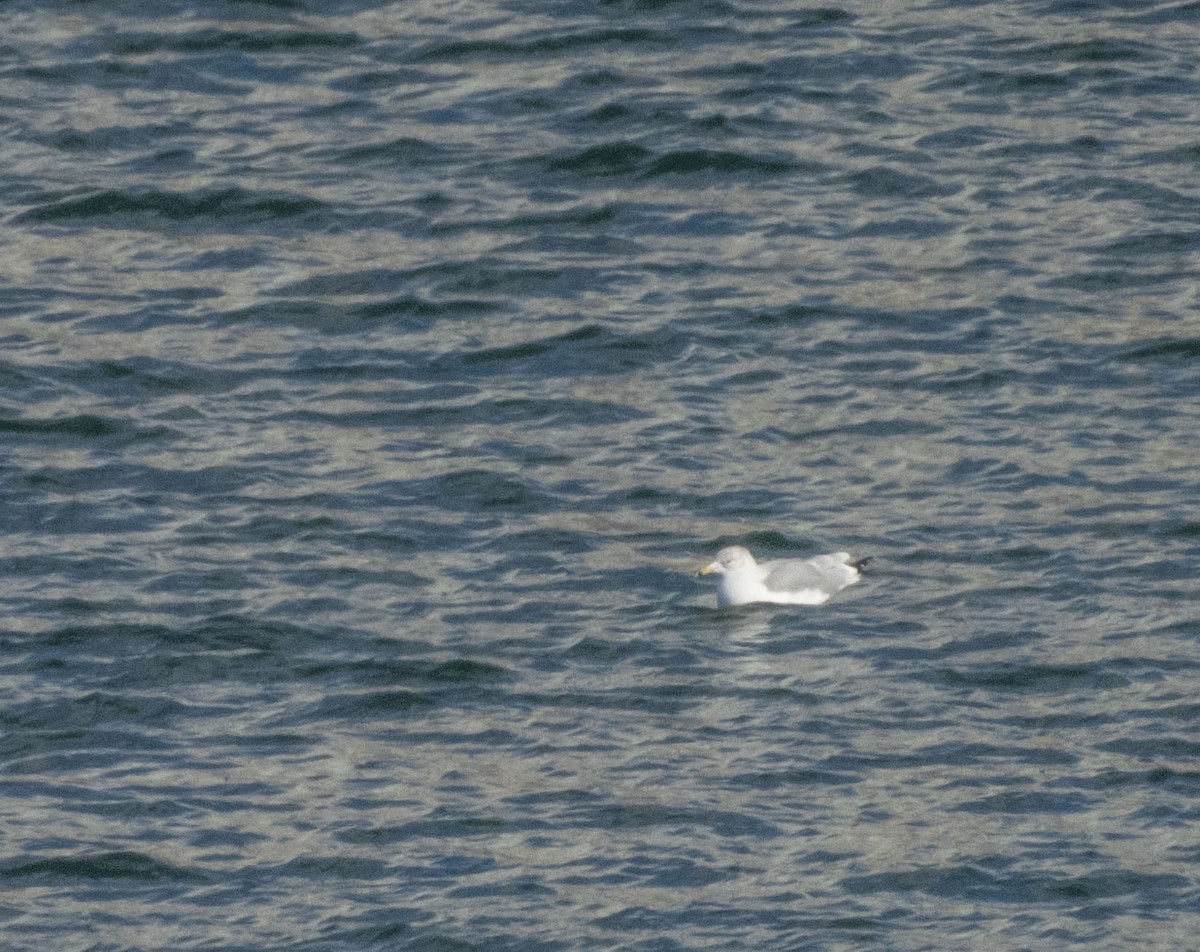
(376, 376)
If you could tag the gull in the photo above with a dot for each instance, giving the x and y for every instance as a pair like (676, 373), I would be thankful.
(781, 581)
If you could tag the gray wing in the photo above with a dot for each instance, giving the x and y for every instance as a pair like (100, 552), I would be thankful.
(828, 573)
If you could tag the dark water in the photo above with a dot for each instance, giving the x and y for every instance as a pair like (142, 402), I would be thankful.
(374, 378)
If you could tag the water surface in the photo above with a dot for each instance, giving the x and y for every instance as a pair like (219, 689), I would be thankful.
(375, 377)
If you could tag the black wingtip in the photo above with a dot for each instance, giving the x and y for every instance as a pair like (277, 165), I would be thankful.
(862, 563)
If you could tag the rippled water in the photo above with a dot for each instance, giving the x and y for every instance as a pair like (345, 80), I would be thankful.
(375, 377)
